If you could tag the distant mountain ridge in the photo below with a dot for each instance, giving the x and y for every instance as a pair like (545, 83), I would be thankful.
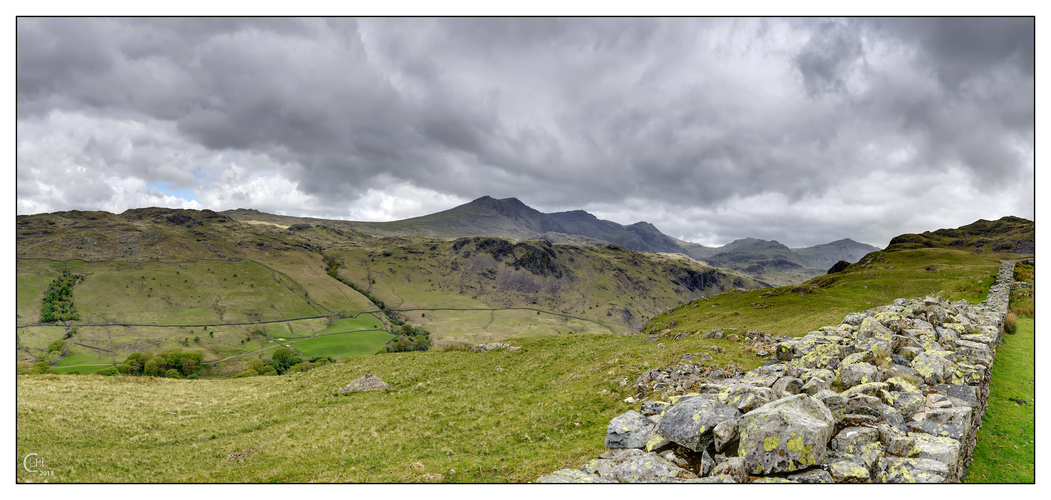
(769, 261)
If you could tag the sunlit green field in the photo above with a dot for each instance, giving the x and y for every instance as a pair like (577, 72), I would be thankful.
(450, 416)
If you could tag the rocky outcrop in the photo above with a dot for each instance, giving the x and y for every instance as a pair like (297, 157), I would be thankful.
(895, 394)
(369, 382)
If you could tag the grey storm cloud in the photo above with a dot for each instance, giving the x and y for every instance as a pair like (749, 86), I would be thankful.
(704, 116)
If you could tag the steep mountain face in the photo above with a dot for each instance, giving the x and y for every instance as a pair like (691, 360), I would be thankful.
(603, 285)
(641, 236)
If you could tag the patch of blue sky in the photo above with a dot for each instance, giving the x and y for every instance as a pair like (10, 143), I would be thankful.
(165, 188)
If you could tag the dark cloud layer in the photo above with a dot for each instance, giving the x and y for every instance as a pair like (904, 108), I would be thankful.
(801, 130)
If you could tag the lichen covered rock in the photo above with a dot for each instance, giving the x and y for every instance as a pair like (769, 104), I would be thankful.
(690, 422)
(571, 476)
(629, 430)
(786, 435)
(369, 382)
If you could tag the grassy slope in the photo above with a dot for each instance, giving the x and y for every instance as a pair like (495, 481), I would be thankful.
(955, 275)
(598, 285)
(491, 417)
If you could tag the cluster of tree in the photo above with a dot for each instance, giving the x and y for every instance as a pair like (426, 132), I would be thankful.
(58, 300)
(171, 363)
(281, 362)
(411, 338)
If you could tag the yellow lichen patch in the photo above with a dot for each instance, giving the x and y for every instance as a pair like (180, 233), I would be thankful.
(654, 441)
(795, 444)
(771, 443)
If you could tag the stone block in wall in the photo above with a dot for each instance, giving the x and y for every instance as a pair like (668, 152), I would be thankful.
(745, 397)
(690, 422)
(653, 407)
(959, 395)
(937, 429)
(786, 435)
(629, 430)
(812, 476)
(725, 433)
(649, 468)
(966, 374)
(934, 369)
(867, 388)
(987, 338)
(848, 471)
(852, 439)
(835, 403)
(815, 381)
(913, 470)
(825, 356)
(786, 386)
(974, 353)
(855, 374)
(906, 403)
(733, 467)
(570, 476)
(854, 319)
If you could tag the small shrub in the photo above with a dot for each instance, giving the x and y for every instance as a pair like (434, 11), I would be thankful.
(173, 373)
(246, 373)
(108, 371)
(193, 376)
(1011, 323)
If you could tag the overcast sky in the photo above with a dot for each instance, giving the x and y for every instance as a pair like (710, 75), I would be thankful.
(803, 131)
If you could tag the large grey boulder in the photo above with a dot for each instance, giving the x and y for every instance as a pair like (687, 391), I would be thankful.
(689, 423)
(369, 382)
(629, 430)
(786, 435)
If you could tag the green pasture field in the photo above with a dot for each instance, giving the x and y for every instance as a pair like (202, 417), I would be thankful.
(213, 342)
(495, 325)
(343, 325)
(952, 274)
(449, 416)
(342, 345)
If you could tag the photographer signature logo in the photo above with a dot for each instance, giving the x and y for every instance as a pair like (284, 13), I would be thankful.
(33, 464)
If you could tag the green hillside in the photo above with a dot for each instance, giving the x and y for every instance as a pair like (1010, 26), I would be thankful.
(450, 415)
(957, 264)
(155, 279)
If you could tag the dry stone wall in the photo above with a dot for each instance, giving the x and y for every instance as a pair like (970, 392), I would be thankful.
(894, 394)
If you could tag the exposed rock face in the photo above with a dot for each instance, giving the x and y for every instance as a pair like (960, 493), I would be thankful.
(369, 382)
(892, 395)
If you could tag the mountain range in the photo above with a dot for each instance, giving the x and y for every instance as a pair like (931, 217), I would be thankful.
(766, 260)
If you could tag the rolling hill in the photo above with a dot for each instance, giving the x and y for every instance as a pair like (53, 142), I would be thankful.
(767, 261)
(153, 279)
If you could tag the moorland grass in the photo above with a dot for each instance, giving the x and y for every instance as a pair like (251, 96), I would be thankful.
(794, 311)
(450, 416)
